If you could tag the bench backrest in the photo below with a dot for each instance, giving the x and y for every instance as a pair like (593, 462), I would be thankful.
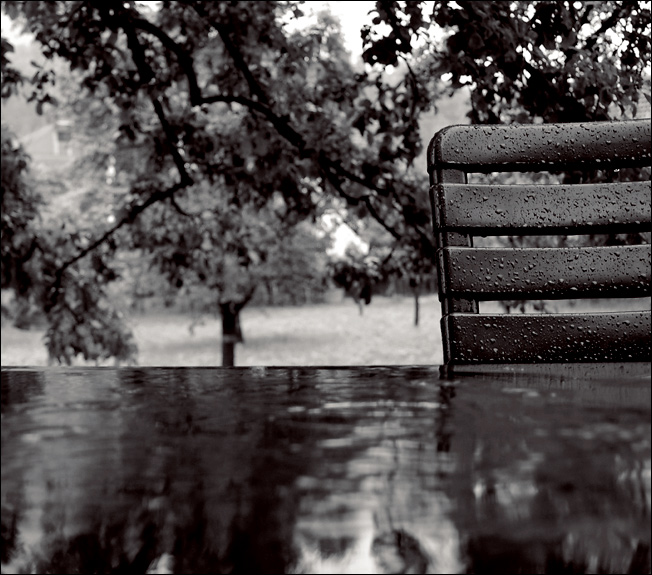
(468, 275)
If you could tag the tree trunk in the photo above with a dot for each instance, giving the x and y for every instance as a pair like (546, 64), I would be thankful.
(231, 333)
(231, 330)
(415, 284)
(270, 288)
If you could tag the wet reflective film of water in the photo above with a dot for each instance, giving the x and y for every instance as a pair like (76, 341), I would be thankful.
(308, 470)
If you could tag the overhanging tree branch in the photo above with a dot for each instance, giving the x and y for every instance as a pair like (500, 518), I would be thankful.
(236, 55)
(185, 61)
(283, 128)
(185, 179)
(261, 104)
(128, 218)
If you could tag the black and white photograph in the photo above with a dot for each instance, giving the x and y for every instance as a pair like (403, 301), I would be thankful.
(329, 287)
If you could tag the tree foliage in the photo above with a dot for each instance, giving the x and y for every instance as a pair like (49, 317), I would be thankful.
(20, 209)
(81, 321)
(550, 61)
(229, 106)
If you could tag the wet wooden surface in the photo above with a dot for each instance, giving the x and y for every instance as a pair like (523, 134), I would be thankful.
(382, 470)
(497, 209)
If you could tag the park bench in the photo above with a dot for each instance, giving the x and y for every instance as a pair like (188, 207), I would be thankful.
(469, 275)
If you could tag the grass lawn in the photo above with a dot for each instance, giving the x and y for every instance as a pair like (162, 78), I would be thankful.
(323, 334)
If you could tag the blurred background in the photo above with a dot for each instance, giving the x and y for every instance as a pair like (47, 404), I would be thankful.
(245, 183)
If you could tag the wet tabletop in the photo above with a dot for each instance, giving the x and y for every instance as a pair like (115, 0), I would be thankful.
(331, 470)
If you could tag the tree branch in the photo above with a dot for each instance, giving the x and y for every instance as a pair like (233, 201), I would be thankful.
(180, 210)
(185, 61)
(236, 55)
(325, 164)
(261, 104)
(129, 217)
(185, 180)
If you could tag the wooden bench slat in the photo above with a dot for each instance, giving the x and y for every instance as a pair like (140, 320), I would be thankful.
(525, 147)
(544, 338)
(468, 275)
(550, 273)
(537, 209)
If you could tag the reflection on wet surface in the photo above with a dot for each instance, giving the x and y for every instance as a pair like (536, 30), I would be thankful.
(377, 470)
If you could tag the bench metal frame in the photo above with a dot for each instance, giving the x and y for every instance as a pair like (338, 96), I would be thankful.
(468, 274)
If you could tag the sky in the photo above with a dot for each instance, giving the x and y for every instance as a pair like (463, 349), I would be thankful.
(8, 29)
(352, 15)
